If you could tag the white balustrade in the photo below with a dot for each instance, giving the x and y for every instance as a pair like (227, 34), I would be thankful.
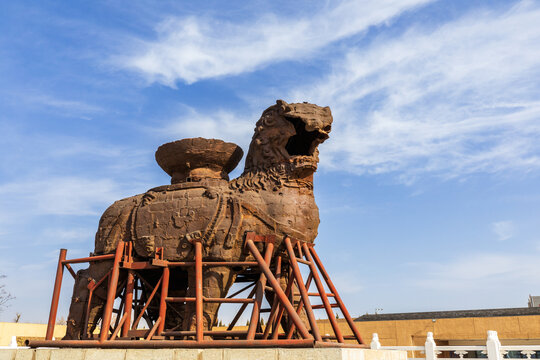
(493, 346)
(430, 347)
(375, 344)
(13, 344)
(493, 349)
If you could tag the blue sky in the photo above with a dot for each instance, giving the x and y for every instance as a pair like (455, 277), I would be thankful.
(428, 186)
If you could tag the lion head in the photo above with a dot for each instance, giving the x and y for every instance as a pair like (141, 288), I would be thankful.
(287, 136)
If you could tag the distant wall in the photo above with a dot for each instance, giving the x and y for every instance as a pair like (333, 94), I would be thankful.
(457, 331)
(466, 330)
(23, 330)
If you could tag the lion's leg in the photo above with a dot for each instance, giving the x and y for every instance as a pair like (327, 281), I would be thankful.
(79, 300)
(285, 320)
(216, 284)
(178, 285)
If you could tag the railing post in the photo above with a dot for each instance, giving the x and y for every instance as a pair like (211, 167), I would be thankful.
(493, 346)
(430, 347)
(375, 344)
(13, 343)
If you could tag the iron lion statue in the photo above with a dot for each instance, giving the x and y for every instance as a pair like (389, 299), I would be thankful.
(274, 195)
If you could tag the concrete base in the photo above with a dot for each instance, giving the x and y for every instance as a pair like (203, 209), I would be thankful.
(202, 354)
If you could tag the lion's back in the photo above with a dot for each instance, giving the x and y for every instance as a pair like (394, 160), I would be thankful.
(115, 224)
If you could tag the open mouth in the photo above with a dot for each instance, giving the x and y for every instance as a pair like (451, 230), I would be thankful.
(304, 142)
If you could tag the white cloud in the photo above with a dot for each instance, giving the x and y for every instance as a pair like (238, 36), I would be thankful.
(35, 184)
(36, 154)
(62, 104)
(195, 48)
(481, 271)
(48, 177)
(458, 99)
(504, 230)
(48, 103)
(57, 196)
(348, 283)
(223, 124)
(66, 235)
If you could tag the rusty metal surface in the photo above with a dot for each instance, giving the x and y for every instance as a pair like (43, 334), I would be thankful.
(167, 344)
(278, 291)
(276, 282)
(56, 295)
(168, 257)
(334, 291)
(303, 291)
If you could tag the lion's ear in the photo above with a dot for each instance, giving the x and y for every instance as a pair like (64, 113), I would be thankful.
(285, 108)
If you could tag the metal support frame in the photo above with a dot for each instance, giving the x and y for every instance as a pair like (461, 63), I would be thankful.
(137, 294)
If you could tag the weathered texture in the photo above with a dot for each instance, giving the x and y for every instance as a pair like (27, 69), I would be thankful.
(274, 195)
(205, 354)
(195, 159)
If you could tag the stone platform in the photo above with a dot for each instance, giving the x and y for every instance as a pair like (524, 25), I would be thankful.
(203, 354)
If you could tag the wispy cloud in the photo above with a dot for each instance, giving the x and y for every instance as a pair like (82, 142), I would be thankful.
(50, 103)
(63, 104)
(35, 154)
(458, 99)
(348, 283)
(66, 235)
(57, 196)
(504, 230)
(223, 124)
(195, 48)
(477, 270)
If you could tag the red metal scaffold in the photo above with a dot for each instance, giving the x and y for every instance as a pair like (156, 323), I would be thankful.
(125, 333)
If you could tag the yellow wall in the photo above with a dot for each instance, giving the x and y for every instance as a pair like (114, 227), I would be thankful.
(7, 330)
(460, 331)
(413, 332)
